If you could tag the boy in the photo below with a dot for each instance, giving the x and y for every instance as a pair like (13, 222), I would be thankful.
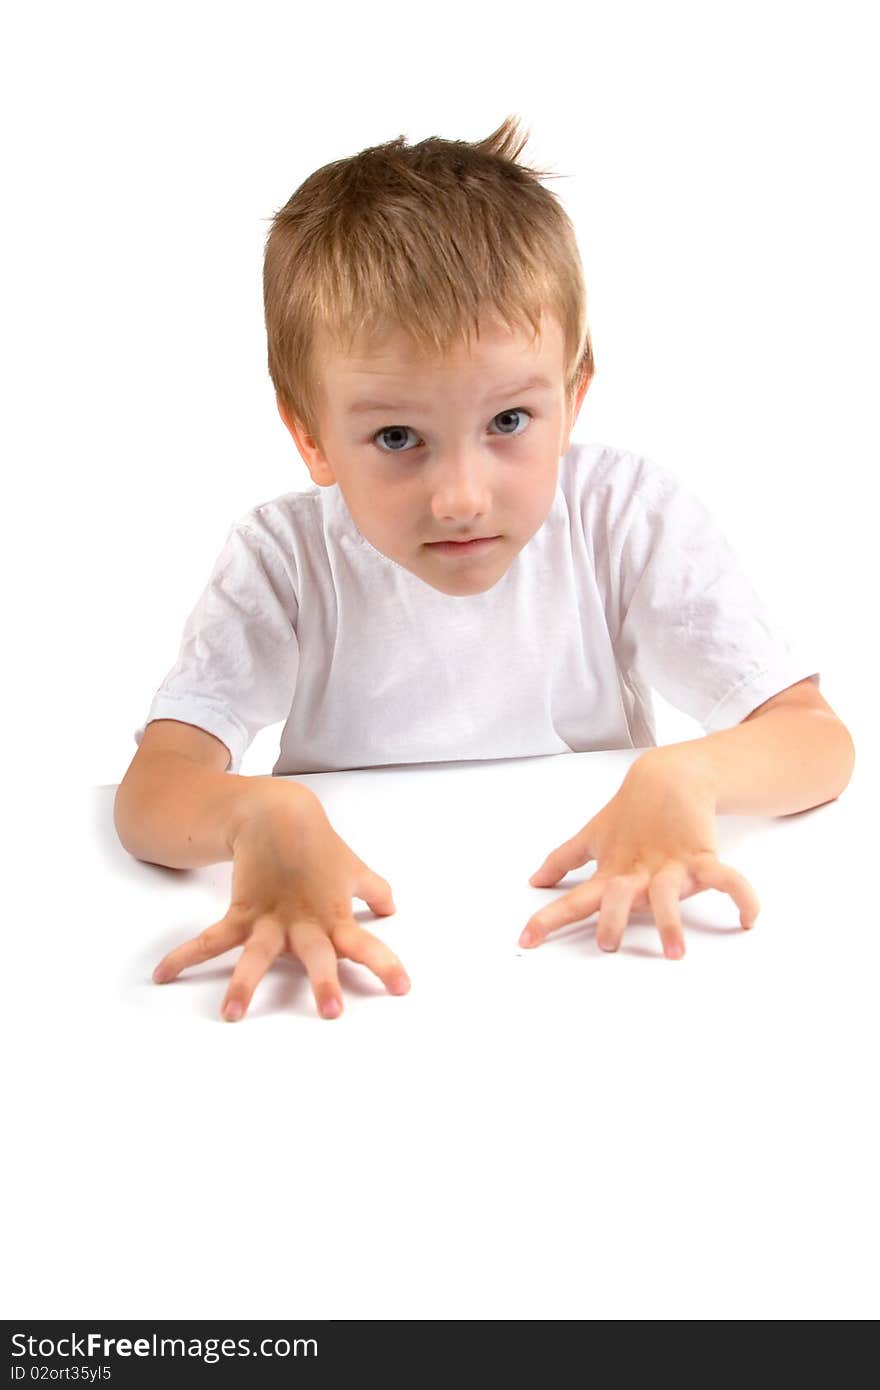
(461, 583)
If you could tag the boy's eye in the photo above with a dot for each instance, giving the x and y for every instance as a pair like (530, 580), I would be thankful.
(398, 433)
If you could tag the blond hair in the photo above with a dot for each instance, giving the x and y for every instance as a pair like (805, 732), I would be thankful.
(425, 238)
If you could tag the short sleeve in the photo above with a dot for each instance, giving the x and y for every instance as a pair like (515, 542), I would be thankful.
(237, 665)
(692, 624)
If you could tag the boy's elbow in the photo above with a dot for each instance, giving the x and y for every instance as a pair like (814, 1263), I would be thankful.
(132, 808)
(850, 756)
(846, 754)
(125, 816)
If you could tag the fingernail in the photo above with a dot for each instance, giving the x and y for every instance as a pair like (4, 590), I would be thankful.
(330, 1008)
(675, 950)
(401, 984)
(233, 1011)
(160, 974)
(526, 937)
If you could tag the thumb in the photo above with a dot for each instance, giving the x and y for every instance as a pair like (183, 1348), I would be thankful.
(569, 855)
(375, 892)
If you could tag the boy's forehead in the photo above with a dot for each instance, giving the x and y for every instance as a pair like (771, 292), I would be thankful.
(393, 355)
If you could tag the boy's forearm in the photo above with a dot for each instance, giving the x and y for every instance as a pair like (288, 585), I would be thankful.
(786, 760)
(172, 810)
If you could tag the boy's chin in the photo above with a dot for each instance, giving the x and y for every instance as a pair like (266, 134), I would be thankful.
(464, 588)
(463, 581)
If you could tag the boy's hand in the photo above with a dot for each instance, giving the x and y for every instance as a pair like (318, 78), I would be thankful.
(654, 843)
(293, 879)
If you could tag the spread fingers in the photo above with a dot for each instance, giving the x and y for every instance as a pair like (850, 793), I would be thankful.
(213, 941)
(264, 945)
(312, 946)
(355, 943)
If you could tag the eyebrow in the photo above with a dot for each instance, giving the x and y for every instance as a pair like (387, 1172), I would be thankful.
(365, 406)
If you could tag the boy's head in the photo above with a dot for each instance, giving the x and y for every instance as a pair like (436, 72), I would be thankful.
(435, 281)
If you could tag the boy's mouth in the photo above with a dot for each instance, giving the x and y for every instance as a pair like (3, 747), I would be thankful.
(464, 547)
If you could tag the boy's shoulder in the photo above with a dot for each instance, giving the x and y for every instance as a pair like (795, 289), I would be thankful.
(602, 481)
(281, 524)
(285, 509)
(611, 464)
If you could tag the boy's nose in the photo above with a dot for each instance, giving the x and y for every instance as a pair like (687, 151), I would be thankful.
(462, 491)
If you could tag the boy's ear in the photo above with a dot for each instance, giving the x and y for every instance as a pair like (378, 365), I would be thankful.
(575, 410)
(308, 446)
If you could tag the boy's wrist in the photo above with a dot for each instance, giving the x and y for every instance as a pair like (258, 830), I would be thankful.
(262, 796)
(786, 760)
(677, 761)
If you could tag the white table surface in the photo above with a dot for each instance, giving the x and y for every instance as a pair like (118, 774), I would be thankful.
(556, 1133)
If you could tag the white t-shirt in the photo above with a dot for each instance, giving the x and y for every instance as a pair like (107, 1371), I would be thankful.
(628, 584)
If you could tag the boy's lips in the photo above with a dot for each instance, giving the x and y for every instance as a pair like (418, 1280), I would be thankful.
(468, 547)
(462, 540)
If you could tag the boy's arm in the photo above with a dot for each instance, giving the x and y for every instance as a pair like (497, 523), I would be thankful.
(790, 754)
(655, 841)
(177, 806)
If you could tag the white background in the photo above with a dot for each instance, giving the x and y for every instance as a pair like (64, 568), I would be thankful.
(719, 167)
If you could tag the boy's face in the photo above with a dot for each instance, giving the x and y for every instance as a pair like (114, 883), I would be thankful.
(428, 450)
